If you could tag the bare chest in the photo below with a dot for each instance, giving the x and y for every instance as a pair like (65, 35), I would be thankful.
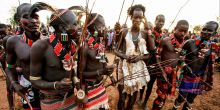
(22, 51)
(93, 62)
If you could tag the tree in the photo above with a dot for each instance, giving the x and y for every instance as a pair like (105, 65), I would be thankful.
(197, 29)
(11, 20)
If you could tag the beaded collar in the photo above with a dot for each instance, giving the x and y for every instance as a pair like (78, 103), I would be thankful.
(27, 40)
(59, 50)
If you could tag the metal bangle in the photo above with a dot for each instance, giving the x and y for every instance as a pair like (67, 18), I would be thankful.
(35, 78)
(54, 85)
(98, 72)
(75, 80)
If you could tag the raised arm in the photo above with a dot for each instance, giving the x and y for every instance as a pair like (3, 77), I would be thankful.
(121, 45)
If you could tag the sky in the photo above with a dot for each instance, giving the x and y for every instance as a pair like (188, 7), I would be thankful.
(196, 12)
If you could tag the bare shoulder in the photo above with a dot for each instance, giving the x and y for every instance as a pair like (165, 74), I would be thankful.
(6, 38)
(122, 34)
(166, 41)
(124, 30)
(13, 39)
(189, 41)
(40, 45)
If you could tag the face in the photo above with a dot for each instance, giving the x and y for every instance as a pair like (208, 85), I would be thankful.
(3, 32)
(207, 31)
(164, 32)
(160, 22)
(181, 31)
(31, 24)
(70, 24)
(99, 26)
(137, 18)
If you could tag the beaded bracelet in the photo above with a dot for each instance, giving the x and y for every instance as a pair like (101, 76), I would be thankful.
(10, 66)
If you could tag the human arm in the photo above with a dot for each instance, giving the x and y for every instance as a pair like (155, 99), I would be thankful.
(37, 53)
(11, 67)
(121, 45)
(209, 77)
(82, 64)
(5, 41)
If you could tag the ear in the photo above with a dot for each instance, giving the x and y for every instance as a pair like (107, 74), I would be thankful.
(16, 18)
(62, 28)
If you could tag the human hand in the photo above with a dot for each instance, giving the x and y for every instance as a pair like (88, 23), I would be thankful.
(144, 21)
(135, 58)
(77, 85)
(129, 58)
(108, 70)
(20, 90)
(113, 80)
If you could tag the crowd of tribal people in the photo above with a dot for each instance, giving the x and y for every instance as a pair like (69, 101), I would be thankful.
(63, 65)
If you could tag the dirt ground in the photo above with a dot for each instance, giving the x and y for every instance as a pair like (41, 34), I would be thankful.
(207, 101)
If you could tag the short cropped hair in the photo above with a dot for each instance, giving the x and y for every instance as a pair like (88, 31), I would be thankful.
(182, 22)
(136, 7)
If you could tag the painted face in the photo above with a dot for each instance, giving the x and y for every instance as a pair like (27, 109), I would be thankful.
(70, 24)
(31, 24)
(160, 22)
(181, 31)
(137, 18)
(99, 27)
(207, 31)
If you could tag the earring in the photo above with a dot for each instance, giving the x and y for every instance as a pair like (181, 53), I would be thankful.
(95, 34)
(64, 37)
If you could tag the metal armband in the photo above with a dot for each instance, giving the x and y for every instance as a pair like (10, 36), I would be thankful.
(35, 78)
(10, 66)
(75, 80)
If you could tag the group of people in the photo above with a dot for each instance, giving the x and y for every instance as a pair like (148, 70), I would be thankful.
(66, 69)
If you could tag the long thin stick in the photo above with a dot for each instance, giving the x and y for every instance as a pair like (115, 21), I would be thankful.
(178, 13)
(121, 11)
(127, 15)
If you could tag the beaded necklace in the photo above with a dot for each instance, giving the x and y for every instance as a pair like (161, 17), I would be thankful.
(99, 47)
(59, 50)
(157, 36)
(204, 44)
(27, 40)
(177, 46)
